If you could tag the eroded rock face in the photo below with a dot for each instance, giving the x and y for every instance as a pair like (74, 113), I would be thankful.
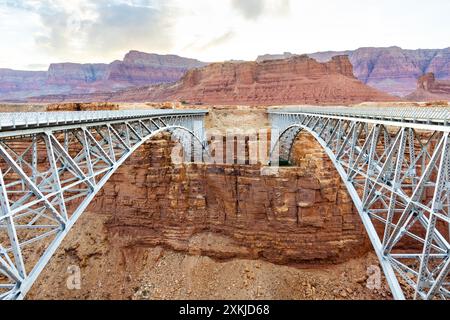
(428, 89)
(227, 211)
(429, 83)
(82, 106)
(21, 81)
(76, 73)
(140, 68)
(395, 70)
(61, 79)
(297, 80)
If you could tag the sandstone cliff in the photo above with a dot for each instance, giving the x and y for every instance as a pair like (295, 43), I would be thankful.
(15, 81)
(139, 68)
(296, 80)
(76, 73)
(429, 89)
(225, 223)
(393, 70)
(304, 215)
(136, 69)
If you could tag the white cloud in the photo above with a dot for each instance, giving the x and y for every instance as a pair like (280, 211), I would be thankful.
(17, 33)
(130, 26)
(36, 32)
(251, 9)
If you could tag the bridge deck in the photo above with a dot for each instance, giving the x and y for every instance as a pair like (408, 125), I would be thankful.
(20, 120)
(53, 164)
(433, 116)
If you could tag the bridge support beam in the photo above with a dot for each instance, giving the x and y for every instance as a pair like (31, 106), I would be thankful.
(398, 176)
(51, 170)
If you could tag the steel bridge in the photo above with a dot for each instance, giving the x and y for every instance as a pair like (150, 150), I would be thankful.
(395, 164)
(52, 165)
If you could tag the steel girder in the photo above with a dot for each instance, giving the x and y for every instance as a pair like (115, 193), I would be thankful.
(395, 164)
(51, 167)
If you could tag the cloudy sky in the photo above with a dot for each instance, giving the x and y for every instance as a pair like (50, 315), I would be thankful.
(34, 33)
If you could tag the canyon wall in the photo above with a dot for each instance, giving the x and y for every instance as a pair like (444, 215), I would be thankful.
(136, 69)
(393, 70)
(140, 68)
(76, 73)
(21, 81)
(430, 89)
(302, 216)
(298, 80)
(198, 231)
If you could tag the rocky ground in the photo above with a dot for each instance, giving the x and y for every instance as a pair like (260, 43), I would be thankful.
(109, 271)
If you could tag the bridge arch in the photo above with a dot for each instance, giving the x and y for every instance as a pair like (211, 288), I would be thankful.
(48, 176)
(397, 174)
(283, 149)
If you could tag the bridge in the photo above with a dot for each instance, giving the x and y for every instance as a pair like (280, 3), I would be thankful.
(395, 164)
(52, 165)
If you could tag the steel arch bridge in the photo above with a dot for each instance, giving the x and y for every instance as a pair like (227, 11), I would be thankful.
(52, 165)
(395, 163)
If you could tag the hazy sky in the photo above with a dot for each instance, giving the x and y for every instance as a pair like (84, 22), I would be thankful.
(34, 33)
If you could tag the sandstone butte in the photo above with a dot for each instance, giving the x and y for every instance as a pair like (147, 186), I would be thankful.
(296, 80)
(430, 89)
(391, 69)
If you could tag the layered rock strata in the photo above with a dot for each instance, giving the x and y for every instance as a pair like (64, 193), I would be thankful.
(394, 70)
(136, 69)
(303, 215)
(297, 80)
(430, 89)
(391, 69)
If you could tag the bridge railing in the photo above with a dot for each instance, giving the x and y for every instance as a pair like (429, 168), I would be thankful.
(437, 115)
(53, 164)
(14, 120)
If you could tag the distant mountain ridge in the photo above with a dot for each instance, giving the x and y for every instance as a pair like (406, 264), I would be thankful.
(297, 80)
(21, 81)
(391, 69)
(136, 69)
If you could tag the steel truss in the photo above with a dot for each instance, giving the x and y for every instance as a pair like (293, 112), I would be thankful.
(51, 167)
(395, 164)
